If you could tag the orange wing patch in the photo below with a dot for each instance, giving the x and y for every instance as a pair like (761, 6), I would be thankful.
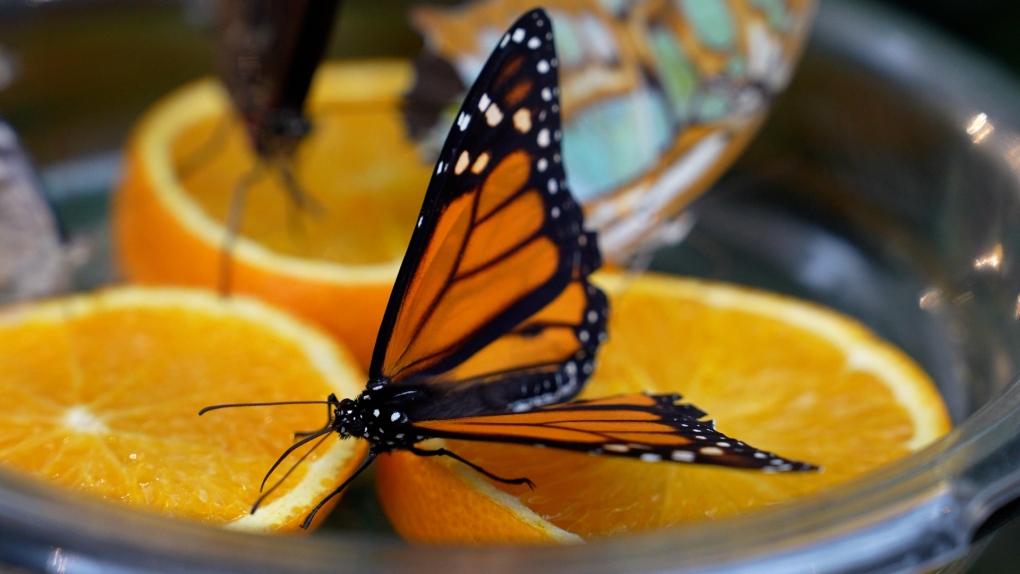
(543, 342)
(509, 69)
(504, 181)
(508, 229)
(517, 93)
(625, 420)
(472, 301)
(485, 254)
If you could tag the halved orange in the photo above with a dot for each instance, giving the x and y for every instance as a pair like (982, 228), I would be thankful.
(785, 376)
(100, 394)
(333, 266)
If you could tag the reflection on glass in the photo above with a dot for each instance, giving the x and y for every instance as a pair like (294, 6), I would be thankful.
(979, 128)
(991, 260)
(930, 299)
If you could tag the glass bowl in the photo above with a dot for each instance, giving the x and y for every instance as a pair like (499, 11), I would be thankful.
(885, 185)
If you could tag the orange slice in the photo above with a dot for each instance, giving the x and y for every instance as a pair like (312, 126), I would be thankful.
(100, 393)
(783, 375)
(334, 266)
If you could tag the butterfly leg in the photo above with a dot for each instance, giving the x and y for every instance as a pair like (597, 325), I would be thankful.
(301, 202)
(235, 214)
(329, 420)
(456, 457)
(299, 196)
(365, 464)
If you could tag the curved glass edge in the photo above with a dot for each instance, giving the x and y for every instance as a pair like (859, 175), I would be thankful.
(918, 513)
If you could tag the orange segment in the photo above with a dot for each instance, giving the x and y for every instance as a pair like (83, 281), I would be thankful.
(333, 266)
(783, 375)
(100, 394)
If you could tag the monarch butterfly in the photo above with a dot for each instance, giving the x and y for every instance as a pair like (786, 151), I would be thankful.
(493, 323)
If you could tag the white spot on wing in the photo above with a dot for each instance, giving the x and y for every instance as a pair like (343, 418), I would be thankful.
(518, 35)
(462, 163)
(534, 42)
(650, 457)
(480, 163)
(543, 137)
(493, 115)
(522, 120)
(682, 456)
(542, 66)
(484, 102)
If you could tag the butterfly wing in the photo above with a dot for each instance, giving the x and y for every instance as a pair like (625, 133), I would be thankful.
(498, 262)
(649, 427)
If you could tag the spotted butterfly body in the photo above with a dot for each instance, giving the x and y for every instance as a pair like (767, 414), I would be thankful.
(493, 325)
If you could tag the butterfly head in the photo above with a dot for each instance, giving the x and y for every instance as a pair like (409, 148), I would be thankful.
(372, 417)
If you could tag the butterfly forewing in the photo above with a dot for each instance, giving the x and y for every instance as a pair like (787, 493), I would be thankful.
(649, 427)
(498, 263)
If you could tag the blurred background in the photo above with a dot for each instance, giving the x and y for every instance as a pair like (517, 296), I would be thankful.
(991, 28)
(77, 170)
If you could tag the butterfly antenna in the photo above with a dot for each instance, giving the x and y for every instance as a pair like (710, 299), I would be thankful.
(273, 404)
(365, 464)
(292, 448)
(235, 214)
(290, 471)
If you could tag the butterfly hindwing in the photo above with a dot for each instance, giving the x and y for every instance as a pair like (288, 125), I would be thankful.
(543, 360)
(499, 245)
(648, 427)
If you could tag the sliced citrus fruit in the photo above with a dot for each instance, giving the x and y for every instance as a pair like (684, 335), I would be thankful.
(100, 393)
(334, 265)
(785, 376)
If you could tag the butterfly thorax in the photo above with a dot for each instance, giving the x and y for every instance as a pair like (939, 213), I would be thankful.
(376, 417)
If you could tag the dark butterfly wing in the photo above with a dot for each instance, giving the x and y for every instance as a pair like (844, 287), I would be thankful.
(499, 257)
(649, 427)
